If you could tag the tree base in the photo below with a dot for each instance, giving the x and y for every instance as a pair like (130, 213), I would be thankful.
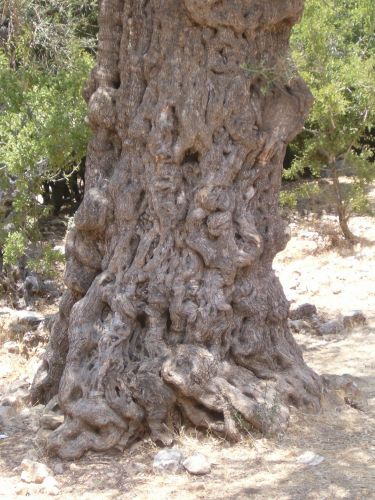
(205, 392)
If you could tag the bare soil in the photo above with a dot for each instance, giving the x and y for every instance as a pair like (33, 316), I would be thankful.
(336, 279)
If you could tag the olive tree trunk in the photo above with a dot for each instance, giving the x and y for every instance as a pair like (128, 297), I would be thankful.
(173, 312)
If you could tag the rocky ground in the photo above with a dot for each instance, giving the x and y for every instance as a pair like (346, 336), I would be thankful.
(326, 456)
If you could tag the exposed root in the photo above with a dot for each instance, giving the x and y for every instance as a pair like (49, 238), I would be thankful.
(212, 395)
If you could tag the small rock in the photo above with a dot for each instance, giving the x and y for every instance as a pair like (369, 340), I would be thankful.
(52, 417)
(295, 284)
(60, 249)
(6, 311)
(347, 389)
(310, 458)
(29, 318)
(17, 398)
(34, 472)
(58, 469)
(197, 464)
(6, 413)
(50, 486)
(20, 383)
(168, 459)
(354, 318)
(332, 327)
(12, 347)
(298, 325)
(309, 235)
(302, 311)
(336, 289)
(25, 413)
(138, 467)
(22, 320)
(25, 490)
(3, 436)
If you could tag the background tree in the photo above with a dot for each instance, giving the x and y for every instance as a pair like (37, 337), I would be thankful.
(334, 48)
(45, 57)
(173, 312)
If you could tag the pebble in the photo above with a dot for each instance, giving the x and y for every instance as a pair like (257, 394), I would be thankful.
(168, 459)
(34, 472)
(197, 464)
(6, 413)
(16, 398)
(354, 318)
(50, 486)
(298, 325)
(332, 327)
(58, 469)
(26, 490)
(310, 458)
(302, 311)
(29, 318)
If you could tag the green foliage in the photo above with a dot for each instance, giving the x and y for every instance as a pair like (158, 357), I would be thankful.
(14, 247)
(289, 198)
(45, 262)
(334, 49)
(43, 67)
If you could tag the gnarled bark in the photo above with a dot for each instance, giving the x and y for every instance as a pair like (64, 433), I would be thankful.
(177, 308)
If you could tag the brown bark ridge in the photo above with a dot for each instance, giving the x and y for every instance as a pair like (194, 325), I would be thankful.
(173, 311)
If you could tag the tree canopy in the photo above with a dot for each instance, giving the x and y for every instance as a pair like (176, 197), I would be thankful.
(334, 49)
(46, 55)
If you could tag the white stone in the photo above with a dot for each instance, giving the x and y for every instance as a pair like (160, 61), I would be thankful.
(197, 464)
(310, 458)
(34, 472)
(50, 486)
(60, 249)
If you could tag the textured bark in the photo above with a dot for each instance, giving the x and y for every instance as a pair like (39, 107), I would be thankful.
(177, 312)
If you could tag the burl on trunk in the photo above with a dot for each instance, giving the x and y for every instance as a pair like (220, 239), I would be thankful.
(172, 311)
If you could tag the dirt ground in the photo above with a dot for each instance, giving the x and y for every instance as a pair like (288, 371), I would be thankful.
(336, 280)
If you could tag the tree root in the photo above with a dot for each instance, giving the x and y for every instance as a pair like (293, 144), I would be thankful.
(214, 395)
